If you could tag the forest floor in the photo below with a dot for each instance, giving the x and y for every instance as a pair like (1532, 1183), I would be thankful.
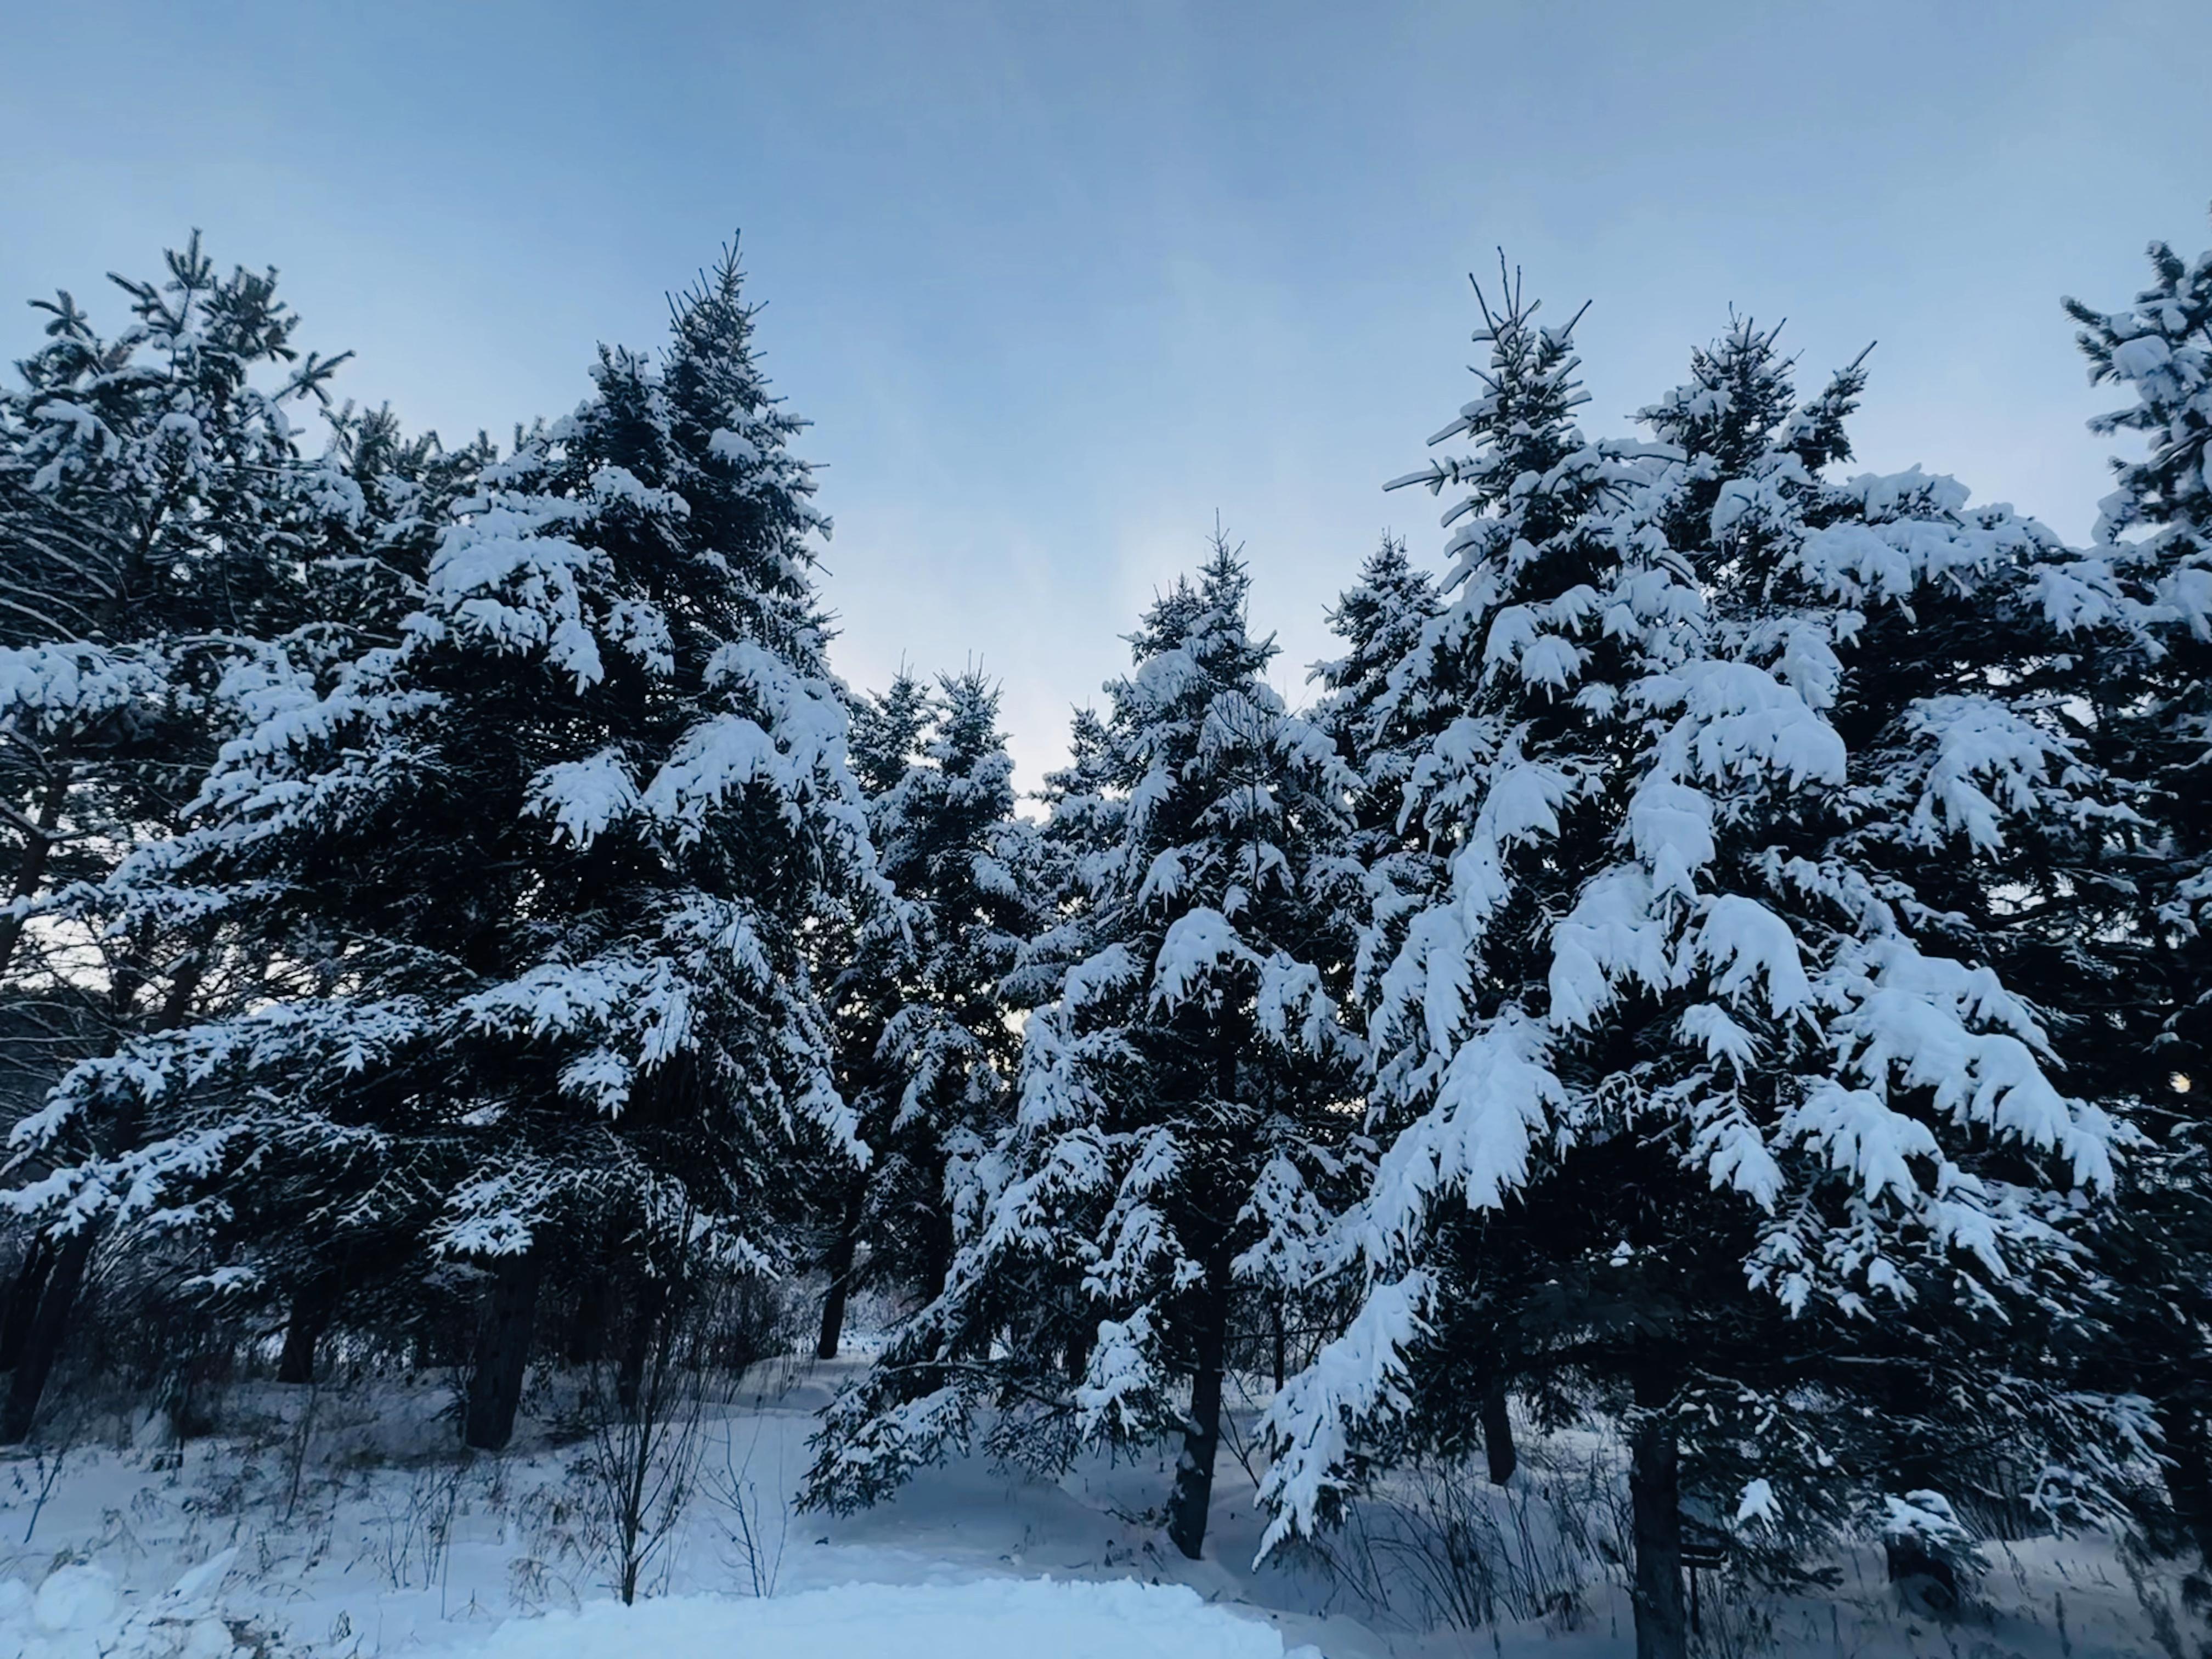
(332, 1522)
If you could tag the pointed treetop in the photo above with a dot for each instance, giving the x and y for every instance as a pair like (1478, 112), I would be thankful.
(2161, 349)
(1739, 392)
(887, 731)
(1523, 422)
(1208, 619)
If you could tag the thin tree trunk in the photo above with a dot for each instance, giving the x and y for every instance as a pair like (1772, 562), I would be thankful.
(651, 1304)
(1655, 1498)
(23, 1299)
(502, 1352)
(1076, 1362)
(31, 869)
(843, 1249)
(1498, 1435)
(1192, 1496)
(42, 1343)
(312, 1306)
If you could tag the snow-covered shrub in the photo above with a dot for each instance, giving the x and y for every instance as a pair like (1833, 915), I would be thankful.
(78, 1611)
(1932, 1555)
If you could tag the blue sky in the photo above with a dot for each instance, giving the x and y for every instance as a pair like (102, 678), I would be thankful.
(1057, 283)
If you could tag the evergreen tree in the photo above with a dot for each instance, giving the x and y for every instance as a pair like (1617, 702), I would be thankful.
(1075, 847)
(1373, 700)
(152, 516)
(927, 1052)
(1379, 704)
(1174, 1143)
(1963, 639)
(2155, 716)
(157, 523)
(1685, 1088)
(392, 496)
(537, 882)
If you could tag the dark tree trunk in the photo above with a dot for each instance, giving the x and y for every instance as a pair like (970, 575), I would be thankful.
(645, 1311)
(502, 1352)
(23, 1299)
(1498, 1435)
(937, 1251)
(1281, 1339)
(588, 1331)
(42, 1343)
(312, 1306)
(843, 1249)
(1655, 1498)
(2188, 1470)
(1192, 1496)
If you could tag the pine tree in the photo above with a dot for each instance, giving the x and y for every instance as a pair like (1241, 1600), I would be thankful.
(391, 498)
(2154, 715)
(1075, 847)
(1963, 638)
(1174, 1146)
(884, 742)
(1683, 1086)
(1373, 702)
(157, 523)
(927, 1052)
(150, 499)
(1378, 703)
(535, 882)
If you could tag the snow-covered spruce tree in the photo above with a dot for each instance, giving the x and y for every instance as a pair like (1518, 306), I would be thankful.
(2155, 716)
(1174, 1138)
(1077, 845)
(536, 882)
(1685, 1091)
(872, 949)
(1963, 638)
(152, 517)
(926, 1051)
(393, 496)
(157, 523)
(1379, 704)
(1375, 700)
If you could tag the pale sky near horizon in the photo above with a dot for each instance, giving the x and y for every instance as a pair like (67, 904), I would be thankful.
(1057, 283)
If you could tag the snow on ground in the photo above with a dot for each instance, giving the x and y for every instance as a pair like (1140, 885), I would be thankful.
(868, 1622)
(337, 1524)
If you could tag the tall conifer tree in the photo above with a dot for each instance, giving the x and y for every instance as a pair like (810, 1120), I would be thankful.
(1682, 1083)
(540, 876)
(1174, 1143)
(2151, 965)
(158, 524)
(927, 1051)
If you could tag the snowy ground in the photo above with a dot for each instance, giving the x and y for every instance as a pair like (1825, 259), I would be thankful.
(324, 1526)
